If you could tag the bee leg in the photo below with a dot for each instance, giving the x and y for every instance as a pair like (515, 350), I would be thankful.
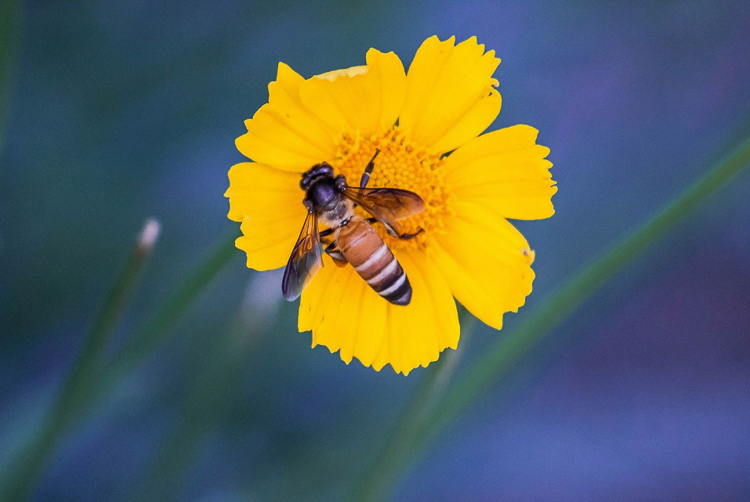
(388, 228)
(336, 254)
(368, 170)
(406, 237)
(326, 232)
(392, 231)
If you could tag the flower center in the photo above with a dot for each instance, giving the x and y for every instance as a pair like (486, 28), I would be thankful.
(400, 164)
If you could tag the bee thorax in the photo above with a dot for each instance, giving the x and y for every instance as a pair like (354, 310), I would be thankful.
(339, 216)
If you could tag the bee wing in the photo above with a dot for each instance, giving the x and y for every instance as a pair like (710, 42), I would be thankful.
(387, 205)
(305, 260)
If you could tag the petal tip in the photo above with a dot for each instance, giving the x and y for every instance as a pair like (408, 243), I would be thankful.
(282, 67)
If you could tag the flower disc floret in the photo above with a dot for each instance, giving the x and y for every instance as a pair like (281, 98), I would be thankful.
(399, 164)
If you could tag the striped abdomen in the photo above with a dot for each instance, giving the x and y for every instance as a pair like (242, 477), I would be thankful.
(373, 261)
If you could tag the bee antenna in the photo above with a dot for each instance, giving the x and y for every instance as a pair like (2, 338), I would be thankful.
(368, 170)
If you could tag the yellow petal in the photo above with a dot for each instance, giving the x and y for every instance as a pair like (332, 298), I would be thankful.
(268, 202)
(475, 120)
(283, 133)
(450, 97)
(485, 260)
(428, 325)
(347, 315)
(316, 296)
(364, 99)
(506, 171)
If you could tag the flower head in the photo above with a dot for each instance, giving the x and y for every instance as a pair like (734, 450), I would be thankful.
(427, 126)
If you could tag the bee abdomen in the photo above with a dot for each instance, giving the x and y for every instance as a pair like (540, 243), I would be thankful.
(374, 262)
(395, 287)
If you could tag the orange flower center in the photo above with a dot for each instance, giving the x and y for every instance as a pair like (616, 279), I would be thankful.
(400, 164)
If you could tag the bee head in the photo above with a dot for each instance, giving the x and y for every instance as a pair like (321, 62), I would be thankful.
(315, 173)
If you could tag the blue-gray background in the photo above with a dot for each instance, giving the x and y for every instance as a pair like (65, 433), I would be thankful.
(125, 110)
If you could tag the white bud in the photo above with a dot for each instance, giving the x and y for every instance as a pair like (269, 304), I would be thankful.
(149, 235)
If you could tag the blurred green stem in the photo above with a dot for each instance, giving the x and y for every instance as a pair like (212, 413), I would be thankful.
(31, 461)
(500, 359)
(89, 392)
(380, 475)
(210, 393)
(156, 332)
(10, 29)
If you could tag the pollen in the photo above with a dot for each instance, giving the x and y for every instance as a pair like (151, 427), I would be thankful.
(400, 164)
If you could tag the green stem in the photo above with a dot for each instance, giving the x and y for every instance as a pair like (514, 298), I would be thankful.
(31, 461)
(387, 467)
(509, 351)
(10, 29)
(91, 391)
(157, 330)
(209, 396)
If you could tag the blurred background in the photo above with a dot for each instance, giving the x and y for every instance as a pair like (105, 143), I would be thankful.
(120, 111)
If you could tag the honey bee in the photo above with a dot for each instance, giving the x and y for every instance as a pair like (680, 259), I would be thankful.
(350, 238)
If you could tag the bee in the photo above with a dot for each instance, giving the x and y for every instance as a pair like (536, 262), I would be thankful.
(349, 238)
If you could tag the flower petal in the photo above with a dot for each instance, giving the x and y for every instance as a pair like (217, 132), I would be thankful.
(504, 170)
(268, 203)
(450, 97)
(283, 133)
(365, 99)
(347, 315)
(419, 332)
(485, 260)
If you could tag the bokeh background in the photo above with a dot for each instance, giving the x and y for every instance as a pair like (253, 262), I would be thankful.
(126, 110)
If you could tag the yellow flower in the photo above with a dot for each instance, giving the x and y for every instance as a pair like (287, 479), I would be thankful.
(427, 126)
